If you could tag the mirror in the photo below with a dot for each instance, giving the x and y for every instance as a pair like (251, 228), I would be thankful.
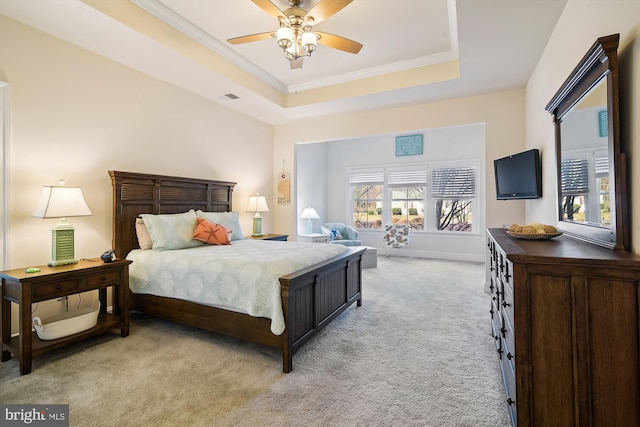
(591, 172)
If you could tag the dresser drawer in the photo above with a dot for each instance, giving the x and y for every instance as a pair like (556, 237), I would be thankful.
(54, 289)
(509, 378)
(99, 280)
(508, 336)
(506, 304)
(496, 323)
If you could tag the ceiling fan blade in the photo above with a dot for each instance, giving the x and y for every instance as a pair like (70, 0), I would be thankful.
(295, 63)
(269, 7)
(324, 10)
(252, 38)
(338, 42)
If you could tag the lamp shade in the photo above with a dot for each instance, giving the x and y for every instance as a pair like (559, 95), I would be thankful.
(61, 201)
(257, 203)
(309, 213)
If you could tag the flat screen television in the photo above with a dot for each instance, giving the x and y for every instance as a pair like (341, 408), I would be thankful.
(519, 176)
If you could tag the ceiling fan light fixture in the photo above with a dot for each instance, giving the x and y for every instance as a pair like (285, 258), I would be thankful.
(309, 41)
(284, 36)
(295, 35)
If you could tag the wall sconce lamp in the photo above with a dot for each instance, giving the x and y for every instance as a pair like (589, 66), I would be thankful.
(309, 214)
(257, 204)
(61, 201)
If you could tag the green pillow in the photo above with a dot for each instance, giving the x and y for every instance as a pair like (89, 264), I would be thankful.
(172, 231)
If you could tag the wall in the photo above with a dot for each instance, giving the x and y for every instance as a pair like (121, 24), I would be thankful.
(581, 23)
(311, 186)
(501, 113)
(75, 115)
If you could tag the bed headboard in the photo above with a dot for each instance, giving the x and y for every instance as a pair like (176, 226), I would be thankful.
(137, 193)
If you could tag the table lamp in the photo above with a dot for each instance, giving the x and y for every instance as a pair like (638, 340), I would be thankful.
(61, 201)
(257, 204)
(309, 214)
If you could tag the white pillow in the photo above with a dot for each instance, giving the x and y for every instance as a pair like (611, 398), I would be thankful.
(144, 239)
(231, 220)
(172, 231)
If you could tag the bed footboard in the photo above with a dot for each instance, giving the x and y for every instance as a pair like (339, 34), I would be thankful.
(313, 297)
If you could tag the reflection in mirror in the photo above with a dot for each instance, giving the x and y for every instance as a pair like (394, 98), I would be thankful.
(591, 168)
(584, 165)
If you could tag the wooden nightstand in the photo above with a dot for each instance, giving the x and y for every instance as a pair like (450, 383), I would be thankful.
(314, 238)
(281, 237)
(24, 288)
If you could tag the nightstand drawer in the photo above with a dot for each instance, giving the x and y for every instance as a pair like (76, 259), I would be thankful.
(48, 290)
(99, 280)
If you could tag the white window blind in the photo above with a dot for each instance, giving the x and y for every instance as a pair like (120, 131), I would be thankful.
(602, 166)
(366, 177)
(574, 175)
(453, 182)
(407, 178)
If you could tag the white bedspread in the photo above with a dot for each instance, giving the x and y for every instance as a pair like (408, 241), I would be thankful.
(242, 276)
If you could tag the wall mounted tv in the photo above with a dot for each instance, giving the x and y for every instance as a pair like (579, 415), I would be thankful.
(519, 176)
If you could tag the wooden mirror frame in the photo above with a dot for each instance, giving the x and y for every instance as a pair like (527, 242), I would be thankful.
(600, 62)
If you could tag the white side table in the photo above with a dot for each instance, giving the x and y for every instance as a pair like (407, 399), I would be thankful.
(313, 238)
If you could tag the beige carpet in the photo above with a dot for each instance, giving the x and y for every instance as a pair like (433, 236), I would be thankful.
(417, 353)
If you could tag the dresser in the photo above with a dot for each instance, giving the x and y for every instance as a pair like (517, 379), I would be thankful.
(565, 321)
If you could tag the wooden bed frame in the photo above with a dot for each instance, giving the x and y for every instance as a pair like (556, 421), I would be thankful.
(311, 298)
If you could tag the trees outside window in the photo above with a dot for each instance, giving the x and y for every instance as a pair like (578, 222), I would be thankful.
(366, 188)
(366, 202)
(453, 191)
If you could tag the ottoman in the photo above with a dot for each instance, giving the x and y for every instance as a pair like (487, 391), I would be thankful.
(370, 258)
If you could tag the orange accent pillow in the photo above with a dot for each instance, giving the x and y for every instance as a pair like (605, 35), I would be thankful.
(212, 233)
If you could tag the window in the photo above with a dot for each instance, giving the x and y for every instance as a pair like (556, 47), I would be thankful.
(602, 183)
(574, 182)
(453, 191)
(407, 188)
(366, 195)
(394, 195)
(585, 188)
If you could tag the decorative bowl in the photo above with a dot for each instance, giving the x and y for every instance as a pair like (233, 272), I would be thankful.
(534, 236)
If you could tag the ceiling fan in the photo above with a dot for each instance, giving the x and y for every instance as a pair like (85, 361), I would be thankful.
(295, 35)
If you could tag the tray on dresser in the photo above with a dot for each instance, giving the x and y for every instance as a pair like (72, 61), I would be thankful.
(534, 236)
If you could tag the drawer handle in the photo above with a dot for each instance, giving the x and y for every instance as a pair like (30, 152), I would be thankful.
(505, 304)
(509, 356)
(510, 401)
(58, 287)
